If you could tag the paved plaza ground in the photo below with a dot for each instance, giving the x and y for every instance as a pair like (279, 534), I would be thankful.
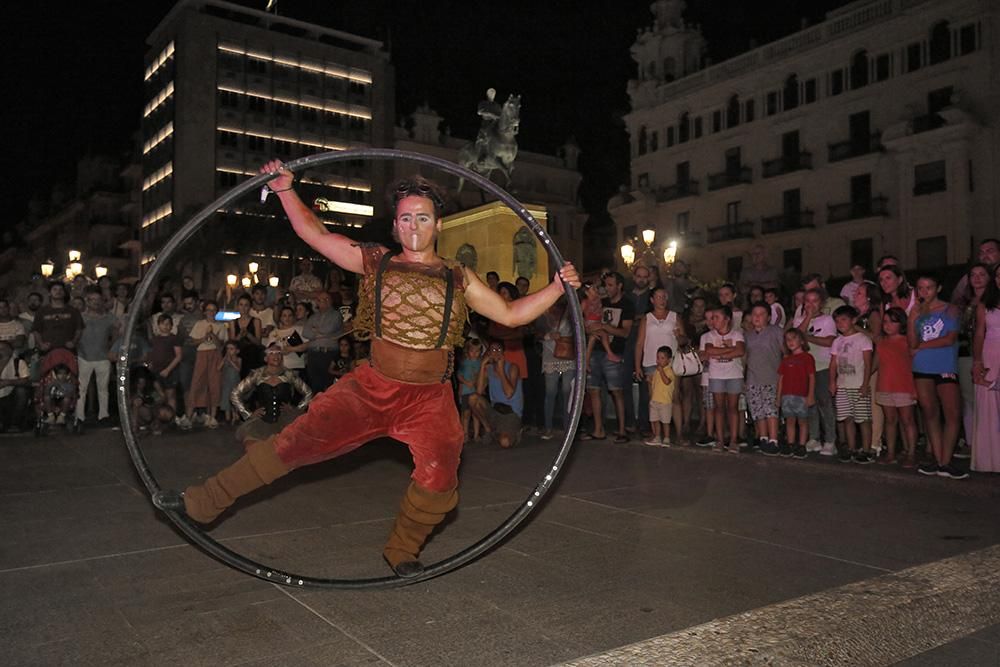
(640, 555)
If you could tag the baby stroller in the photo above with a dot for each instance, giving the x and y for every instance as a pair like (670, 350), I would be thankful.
(56, 394)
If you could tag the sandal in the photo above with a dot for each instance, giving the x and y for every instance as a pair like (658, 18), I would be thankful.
(591, 436)
(621, 439)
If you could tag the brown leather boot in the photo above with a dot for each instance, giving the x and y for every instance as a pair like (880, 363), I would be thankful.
(258, 467)
(419, 512)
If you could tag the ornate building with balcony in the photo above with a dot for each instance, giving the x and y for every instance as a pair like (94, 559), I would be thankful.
(867, 134)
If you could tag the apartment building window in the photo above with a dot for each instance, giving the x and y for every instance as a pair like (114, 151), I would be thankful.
(967, 39)
(683, 223)
(256, 144)
(684, 128)
(256, 66)
(862, 253)
(734, 267)
(883, 67)
(283, 148)
(229, 139)
(683, 173)
(257, 104)
(716, 121)
(859, 70)
(913, 57)
(283, 109)
(733, 213)
(929, 178)
(940, 43)
(643, 140)
(333, 119)
(932, 253)
(228, 99)
(836, 82)
(642, 183)
(630, 232)
(772, 103)
(792, 260)
(697, 128)
(940, 99)
(748, 111)
(733, 111)
(791, 92)
(654, 139)
(227, 179)
(810, 91)
(309, 115)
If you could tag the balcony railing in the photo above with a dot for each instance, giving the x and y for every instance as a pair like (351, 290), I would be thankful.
(855, 147)
(856, 210)
(926, 123)
(678, 190)
(740, 230)
(787, 222)
(730, 177)
(788, 163)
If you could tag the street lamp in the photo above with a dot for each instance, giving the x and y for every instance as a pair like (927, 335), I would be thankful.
(231, 280)
(670, 253)
(47, 268)
(74, 255)
(100, 271)
(246, 282)
(628, 254)
(253, 268)
(648, 236)
(273, 281)
(76, 267)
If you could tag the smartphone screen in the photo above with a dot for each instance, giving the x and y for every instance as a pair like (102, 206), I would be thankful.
(226, 315)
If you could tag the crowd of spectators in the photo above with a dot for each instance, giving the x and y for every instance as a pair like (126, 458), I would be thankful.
(890, 369)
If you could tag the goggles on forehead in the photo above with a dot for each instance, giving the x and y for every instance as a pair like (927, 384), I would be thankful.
(408, 188)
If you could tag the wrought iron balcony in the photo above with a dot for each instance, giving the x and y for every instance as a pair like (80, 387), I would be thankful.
(855, 147)
(787, 222)
(688, 188)
(729, 178)
(787, 164)
(740, 230)
(856, 210)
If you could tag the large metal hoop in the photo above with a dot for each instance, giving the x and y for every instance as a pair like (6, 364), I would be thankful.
(194, 532)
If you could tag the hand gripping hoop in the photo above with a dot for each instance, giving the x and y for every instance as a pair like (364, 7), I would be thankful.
(194, 532)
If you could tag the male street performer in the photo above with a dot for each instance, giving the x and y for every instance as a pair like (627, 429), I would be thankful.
(414, 305)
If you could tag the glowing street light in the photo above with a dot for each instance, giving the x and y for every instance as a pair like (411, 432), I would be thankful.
(670, 253)
(76, 267)
(253, 268)
(231, 280)
(628, 254)
(648, 236)
(246, 282)
(100, 271)
(74, 255)
(273, 281)
(47, 268)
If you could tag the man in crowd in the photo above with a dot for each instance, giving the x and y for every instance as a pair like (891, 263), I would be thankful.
(15, 389)
(305, 286)
(493, 280)
(57, 324)
(322, 330)
(12, 329)
(678, 284)
(759, 272)
(190, 315)
(92, 356)
(168, 307)
(499, 400)
(989, 254)
(639, 296)
(260, 309)
(814, 281)
(616, 322)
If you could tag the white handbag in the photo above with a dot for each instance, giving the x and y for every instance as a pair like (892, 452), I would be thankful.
(686, 362)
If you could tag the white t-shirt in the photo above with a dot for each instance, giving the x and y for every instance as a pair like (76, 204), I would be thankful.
(850, 354)
(201, 329)
(265, 315)
(821, 326)
(723, 369)
(292, 359)
(11, 330)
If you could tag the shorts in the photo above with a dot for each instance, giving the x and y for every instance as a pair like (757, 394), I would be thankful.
(661, 412)
(761, 398)
(894, 399)
(172, 381)
(463, 401)
(852, 405)
(707, 399)
(503, 420)
(794, 407)
(939, 378)
(602, 371)
(732, 386)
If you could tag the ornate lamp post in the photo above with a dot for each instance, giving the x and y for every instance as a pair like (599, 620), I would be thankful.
(47, 268)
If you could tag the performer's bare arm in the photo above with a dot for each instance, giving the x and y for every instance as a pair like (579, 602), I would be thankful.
(337, 248)
(521, 311)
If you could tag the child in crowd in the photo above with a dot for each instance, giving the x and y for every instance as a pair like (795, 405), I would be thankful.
(60, 393)
(593, 315)
(662, 382)
(344, 363)
(850, 374)
(165, 356)
(764, 353)
(894, 389)
(796, 394)
(468, 373)
(230, 367)
(724, 347)
(778, 317)
(149, 407)
(362, 350)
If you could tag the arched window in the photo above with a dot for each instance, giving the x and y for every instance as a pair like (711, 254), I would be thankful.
(684, 127)
(733, 111)
(859, 70)
(940, 46)
(669, 69)
(791, 92)
(642, 140)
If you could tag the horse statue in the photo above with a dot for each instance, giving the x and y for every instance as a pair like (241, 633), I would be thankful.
(496, 146)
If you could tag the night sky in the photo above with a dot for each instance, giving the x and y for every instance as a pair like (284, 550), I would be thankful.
(76, 76)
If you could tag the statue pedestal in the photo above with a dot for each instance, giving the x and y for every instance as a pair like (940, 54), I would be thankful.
(490, 229)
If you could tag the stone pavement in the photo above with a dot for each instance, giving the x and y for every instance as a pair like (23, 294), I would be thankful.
(651, 549)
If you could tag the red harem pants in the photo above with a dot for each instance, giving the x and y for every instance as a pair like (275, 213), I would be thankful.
(365, 405)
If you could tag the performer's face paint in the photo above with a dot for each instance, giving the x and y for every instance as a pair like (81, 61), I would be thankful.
(416, 224)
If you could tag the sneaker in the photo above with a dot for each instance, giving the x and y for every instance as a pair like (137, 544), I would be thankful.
(962, 452)
(952, 472)
(60, 419)
(813, 446)
(930, 469)
(707, 441)
(665, 442)
(744, 446)
(547, 435)
(785, 449)
(104, 423)
(864, 458)
(800, 452)
(827, 449)
(653, 442)
(769, 448)
(50, 419)
(210, 422)
(845, 456)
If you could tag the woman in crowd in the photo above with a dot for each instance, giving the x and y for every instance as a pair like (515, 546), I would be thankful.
(896, 292)
(246, 331)
(303, 311)
(657, 328)
(288, 335)
(559, 373)
(208, 336)
(866, 298)
(727, 297)
(977, 279)
(932, 328)
(272, 388)
(986, 376)
(724, 348)
(513, 339)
